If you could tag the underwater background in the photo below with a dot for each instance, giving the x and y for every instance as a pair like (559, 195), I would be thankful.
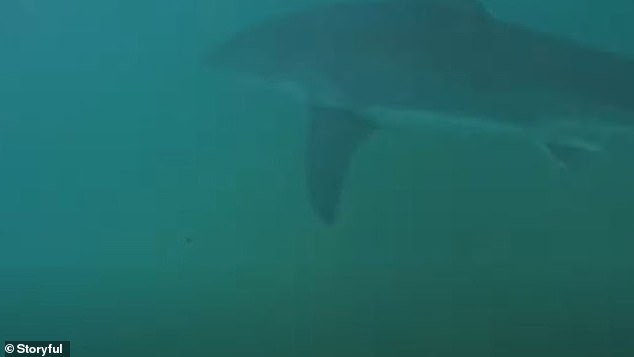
(145, 210)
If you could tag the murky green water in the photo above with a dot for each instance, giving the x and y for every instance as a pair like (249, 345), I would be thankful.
(146, 210)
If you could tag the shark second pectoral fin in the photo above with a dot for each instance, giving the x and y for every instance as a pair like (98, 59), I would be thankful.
(570, 153)
(334, 134)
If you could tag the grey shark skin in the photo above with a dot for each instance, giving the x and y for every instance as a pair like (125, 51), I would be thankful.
(448, 61)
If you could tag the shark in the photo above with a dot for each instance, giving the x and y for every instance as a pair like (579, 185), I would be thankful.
(360, 66)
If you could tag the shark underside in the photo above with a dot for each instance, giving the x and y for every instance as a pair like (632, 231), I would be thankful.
(447, 59)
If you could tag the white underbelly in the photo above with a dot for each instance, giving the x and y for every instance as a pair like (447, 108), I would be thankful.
(418, 119)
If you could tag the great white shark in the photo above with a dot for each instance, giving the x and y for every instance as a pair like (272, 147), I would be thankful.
(362, 65)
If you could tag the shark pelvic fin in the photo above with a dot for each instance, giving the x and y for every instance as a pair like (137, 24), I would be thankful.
(334, 134)
(568, 154)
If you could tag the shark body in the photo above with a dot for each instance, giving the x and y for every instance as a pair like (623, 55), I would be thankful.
(447, 61)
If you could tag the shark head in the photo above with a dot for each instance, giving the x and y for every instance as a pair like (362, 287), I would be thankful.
(269, 51)
(302, 41)
(244, 54)
(268, 56)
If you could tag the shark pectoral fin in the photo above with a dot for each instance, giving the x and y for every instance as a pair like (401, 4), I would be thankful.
(333, 136)
(569, 154)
